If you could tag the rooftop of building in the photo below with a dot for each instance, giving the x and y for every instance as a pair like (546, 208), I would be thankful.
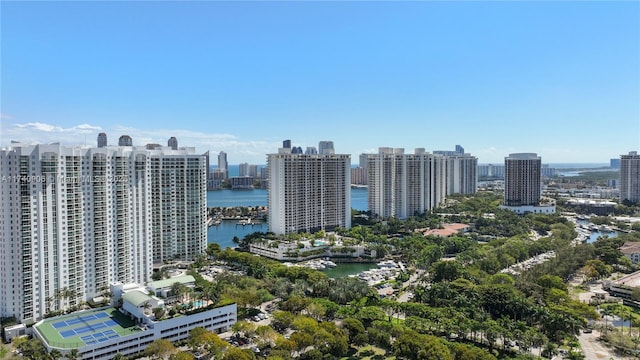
(629, 248)
(85, 328)
(136, 297)
(523, 156)
(161, 284)
(447, 230)
(631, 280)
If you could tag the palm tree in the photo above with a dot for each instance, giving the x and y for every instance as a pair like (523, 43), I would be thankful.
(538, 340)
(606, 312)
(146, 306)
(575, 355)
(73, 354)
(550, 350)
(106, 293)
(58, 297)
(54, 354)
(158, 313)
(69, 293)
(212, 292)
(48, 300)
(177, 290)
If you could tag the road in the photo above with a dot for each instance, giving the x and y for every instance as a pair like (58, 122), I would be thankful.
(594, 350)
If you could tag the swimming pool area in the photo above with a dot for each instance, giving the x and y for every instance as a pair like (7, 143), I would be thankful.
(199, 303)
(194, 305)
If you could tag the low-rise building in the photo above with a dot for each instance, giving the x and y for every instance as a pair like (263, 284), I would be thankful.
(631, 250)
(447, 230)
(162, 288)
(139, 320)
(308, 249)
(242, 182)
(624, 286)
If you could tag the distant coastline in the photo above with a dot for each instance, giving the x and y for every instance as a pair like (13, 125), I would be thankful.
(234, 170)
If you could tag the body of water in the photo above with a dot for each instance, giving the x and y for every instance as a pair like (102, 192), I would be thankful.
(223, 234)
(596, 234)
(577, 165)
(231, 198)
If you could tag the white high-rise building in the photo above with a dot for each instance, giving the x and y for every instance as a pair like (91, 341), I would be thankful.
(243, 169)
(246, 169)
(401, 185)
(630, 177)
(75, 219)
(461, 174)
(491, 171)
(308, 192)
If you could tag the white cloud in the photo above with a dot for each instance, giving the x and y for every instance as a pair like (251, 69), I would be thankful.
(49, 128)
(38, 126)
(238, 150)
(40, 132)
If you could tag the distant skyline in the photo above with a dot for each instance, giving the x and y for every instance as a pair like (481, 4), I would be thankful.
(561, 79)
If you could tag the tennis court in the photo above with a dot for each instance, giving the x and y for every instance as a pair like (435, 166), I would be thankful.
(86, 328)
(80, 320)
(89, 324)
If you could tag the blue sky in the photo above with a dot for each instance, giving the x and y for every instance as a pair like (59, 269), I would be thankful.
(558, 78)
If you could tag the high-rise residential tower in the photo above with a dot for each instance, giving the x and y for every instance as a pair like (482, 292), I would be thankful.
(308, 192)
(458, 151)
(522, 179)
(403, 185)
(523, 184)
(172, 143)
(125, 140)
(75, 219)
(222, 163)
(246, 169)
(630, 177)
(461, 174)
(325, 148)
(102, 140)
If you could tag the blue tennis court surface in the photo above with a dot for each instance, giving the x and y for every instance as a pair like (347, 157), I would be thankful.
(81, 326)
(59, 324)
(80, 320)
(67, 333)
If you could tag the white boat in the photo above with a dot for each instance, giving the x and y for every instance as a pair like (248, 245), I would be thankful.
(388, 264)
(328, 263)
(605, 228)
